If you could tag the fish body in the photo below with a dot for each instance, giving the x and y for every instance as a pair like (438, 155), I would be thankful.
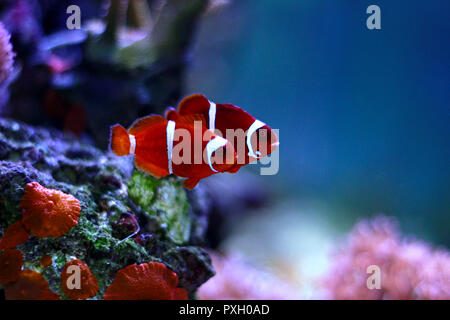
(154, 142)
(257, 141)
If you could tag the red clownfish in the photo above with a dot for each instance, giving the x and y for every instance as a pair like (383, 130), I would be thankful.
(228, 116)
(152, 140)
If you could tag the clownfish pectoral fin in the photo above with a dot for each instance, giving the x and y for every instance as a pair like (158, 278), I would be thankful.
(145, 122)
(171, 114)
(234, 169)
(193, 104)
(153, 170)
(190, 183)
(120, 140)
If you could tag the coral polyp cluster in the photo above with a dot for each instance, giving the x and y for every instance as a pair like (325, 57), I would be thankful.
(409, 269)
(148, 281)
(47, 212)
(11, 261)
(14, 235)
(30, 285)
(88, 285)
(6, 54)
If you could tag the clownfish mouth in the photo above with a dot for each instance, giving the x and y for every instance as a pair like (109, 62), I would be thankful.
(275, 144)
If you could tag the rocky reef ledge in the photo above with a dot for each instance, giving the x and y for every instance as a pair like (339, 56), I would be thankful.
(166, 224)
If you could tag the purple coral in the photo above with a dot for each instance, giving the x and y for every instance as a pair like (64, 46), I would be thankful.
(6, 54)
(409, 269)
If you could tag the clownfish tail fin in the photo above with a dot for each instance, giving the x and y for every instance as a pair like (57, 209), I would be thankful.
(120, 140)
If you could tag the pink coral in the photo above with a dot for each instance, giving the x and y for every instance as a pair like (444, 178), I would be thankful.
(409, 269)
(235, 280)
(6, 55)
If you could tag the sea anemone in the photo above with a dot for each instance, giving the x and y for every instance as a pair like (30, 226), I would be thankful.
(48, 212)
(88, 282)
(6, 54)
(14, 235)
(148, 281)
(11, 262)
(30, 285)
(409, 269)
(236, 280)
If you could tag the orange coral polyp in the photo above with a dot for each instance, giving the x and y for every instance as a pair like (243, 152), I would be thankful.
(48, 212)
(14, 235)
(46, 261)
(88, 282)
(31, 285)
(148, 281)
(11, 261)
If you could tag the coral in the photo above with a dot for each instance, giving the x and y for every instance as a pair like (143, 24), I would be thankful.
(236, 280)
(409, 269)
(11, 261)
(14, 235)
(31, 285)
(6, 54)
(47, 212)
(148, 281)
(103, 186)
(88, 282)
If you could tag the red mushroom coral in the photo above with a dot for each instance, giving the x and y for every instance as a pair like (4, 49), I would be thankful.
(31, 285)
(48, 212)
(148, 281)
(88, 285)
(11, 262)
(14, 235)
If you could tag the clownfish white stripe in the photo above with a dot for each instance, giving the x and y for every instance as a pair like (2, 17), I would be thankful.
(212, 116)
(253, 128)
(170, 131)
(132, 143)
(212, 146)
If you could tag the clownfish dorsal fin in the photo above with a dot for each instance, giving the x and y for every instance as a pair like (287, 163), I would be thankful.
(191, 119)
(145, 122)
(193, 104)
(171, 114)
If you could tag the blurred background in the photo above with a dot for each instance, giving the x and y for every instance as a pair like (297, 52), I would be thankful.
(363, 114)
(363, 118)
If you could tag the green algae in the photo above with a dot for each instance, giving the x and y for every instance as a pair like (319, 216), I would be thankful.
(163, 199)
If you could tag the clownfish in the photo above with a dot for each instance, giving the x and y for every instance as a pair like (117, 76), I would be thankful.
(228, 116)
(152, 140)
